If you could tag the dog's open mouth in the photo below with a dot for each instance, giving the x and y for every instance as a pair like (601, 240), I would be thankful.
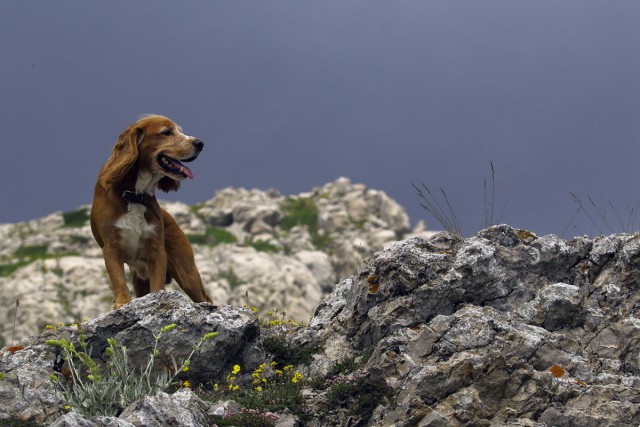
(175, 167)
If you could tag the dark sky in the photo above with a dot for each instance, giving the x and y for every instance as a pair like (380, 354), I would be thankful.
(293, 94)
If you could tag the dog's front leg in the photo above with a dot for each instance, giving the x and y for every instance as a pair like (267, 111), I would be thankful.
(115, 269)
(158, 270)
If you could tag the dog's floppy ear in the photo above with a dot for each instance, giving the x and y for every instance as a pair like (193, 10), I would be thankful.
(123, 157)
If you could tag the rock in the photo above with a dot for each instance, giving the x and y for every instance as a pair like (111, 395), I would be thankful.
(26, 387)
(135, 326)
(74, 420)
(183, 408)
(286, 252)
(503, 328)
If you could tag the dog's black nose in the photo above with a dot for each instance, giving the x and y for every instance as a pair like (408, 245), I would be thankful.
(198, 144)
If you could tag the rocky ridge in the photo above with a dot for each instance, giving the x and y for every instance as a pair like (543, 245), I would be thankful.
(503, 328)
(252, 247)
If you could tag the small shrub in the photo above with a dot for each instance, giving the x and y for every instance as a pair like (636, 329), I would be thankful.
(299, 211)
(8, 269)
(247, 419)
(304, 212)
(264, 246)
(212, 236)
(106, 390)
(278, 344)
(77, 218)
(32, 251)
(272, 389)
(361, 395)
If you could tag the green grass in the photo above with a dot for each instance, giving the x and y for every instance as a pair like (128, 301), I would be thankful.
(361, 395)
(212, 236)
(299, 211)
(32, 251)
(304, 212)
(77, 218)
(264, 246)
(25, 255)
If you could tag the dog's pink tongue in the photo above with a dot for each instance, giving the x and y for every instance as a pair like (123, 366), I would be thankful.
(185, 170)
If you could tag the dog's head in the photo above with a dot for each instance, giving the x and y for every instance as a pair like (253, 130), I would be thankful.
(157, 145)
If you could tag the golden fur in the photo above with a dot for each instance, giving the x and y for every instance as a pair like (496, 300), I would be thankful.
(126, 220)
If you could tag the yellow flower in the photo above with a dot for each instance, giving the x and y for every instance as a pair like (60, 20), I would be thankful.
(185, 369)
(235, 387)
(278, 372)
(67, 407)
(186, 384)
(259, 389)
(236, 369)
(296, 377)
(215, 387)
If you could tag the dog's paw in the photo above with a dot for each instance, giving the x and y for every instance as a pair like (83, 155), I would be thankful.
(117, 305)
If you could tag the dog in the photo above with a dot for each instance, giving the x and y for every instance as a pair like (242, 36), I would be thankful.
(126, 219)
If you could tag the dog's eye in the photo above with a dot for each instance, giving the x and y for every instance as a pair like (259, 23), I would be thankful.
(167, 132)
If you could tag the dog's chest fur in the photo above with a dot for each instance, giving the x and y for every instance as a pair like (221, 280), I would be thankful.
(134, 230)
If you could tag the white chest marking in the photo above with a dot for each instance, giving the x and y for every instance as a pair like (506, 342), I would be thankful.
(133, 230)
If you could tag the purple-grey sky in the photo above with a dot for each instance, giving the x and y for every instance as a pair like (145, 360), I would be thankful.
(293, 94)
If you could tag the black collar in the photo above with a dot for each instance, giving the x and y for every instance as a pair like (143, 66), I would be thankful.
(144, 199)
(137, 198)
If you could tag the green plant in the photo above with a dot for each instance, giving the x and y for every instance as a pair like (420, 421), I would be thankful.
(272, 389)
(360, 394)
(32, 251)
(25, 255)
(212, 236)
(77, 218)
(302, 211)
(97, 389)
(247, 418)
(263, 246)
(277, 341)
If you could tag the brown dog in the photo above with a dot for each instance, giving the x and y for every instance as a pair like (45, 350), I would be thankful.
(126, 220)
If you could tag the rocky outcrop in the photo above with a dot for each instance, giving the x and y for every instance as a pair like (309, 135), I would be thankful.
(503, 328)
(252, 247)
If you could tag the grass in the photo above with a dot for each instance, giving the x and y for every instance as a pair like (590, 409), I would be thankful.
(441, 208)
(303, 211)
(360, 395)
(263, 246)
(25, 255)
(273, 388)
(77, 218)
(599, 216)
(212, 236)
(276, 331)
